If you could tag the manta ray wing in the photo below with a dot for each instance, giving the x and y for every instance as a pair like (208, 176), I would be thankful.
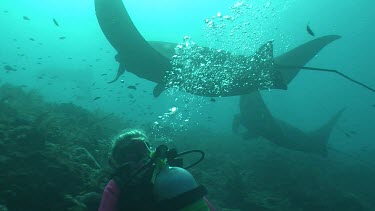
(301, 55)
(134, 52)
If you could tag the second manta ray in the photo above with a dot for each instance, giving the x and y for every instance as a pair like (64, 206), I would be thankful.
(259, 122)
(147, 60)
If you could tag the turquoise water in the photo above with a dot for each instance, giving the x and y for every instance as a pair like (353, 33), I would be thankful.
(74, 61)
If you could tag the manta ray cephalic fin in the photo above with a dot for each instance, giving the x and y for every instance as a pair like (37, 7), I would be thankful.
(120, 71)
(158, 89)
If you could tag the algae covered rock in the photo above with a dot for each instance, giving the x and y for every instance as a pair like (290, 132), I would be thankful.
(49, 151)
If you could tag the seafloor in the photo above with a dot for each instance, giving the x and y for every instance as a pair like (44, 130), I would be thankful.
(54, 157)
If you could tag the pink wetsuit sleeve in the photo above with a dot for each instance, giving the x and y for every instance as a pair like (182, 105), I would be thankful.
(110, 197)
(210, 206)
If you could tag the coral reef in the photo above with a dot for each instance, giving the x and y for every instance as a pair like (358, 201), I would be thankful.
(49, 152)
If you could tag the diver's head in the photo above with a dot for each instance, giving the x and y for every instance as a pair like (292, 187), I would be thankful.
(130, 146)
(176, 189)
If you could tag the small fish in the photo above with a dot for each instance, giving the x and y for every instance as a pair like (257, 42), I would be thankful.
(103, 74)
(213, 99)
(26, 18)
(353, 132)
(373, 106)
(9, 68)
(55, 22)
(62, 38)
(347, 135)
(132, 87)
(97, 98)
(5, 11)
(32, 39)
(310, 31)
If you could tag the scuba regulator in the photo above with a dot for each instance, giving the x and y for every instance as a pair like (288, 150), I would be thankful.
(152, 165)
(174, 159)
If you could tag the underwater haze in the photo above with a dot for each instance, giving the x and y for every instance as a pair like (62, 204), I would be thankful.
(57, 51)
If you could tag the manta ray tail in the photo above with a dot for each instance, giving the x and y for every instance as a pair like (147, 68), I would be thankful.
(322, 134)
(327, 70)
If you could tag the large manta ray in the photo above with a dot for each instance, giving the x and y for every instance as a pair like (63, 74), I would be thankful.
(259, 122)
(152, 60)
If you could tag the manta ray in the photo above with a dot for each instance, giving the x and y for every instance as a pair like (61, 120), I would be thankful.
(259, 122)
(152, 60)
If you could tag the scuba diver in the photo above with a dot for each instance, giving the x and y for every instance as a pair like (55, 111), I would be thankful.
(146, 179)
